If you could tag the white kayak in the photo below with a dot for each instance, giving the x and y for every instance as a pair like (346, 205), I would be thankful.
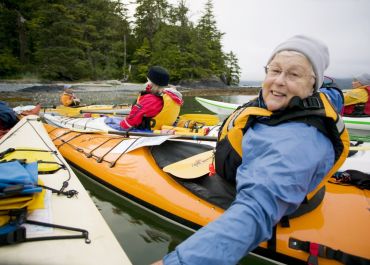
(78, 124)
(99, 245)
(78, 111)
(20, 109)
(98, 125)
(224, 109)
(218, 107)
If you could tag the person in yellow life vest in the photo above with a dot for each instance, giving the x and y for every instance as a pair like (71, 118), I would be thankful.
(357, 100)
(69, 99)
(276, 150)
(158, 105)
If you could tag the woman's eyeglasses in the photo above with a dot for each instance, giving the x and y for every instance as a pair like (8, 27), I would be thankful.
(291, 75)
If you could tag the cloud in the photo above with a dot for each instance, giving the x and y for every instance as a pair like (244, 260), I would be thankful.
(254, 27)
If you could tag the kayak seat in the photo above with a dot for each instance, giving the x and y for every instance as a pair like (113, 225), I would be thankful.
(213, 189)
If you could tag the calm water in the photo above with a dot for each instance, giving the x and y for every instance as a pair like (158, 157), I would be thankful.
(144, 236)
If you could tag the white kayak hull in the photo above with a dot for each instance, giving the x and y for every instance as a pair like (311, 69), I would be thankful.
(78, 124)
(78, 212)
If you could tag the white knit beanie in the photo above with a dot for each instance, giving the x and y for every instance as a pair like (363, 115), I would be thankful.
(364, 79)
(315, 51)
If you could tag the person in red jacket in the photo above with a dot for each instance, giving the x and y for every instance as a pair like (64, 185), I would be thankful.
(150, 101)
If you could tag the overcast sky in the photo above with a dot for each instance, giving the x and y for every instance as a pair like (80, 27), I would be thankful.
(254, 27)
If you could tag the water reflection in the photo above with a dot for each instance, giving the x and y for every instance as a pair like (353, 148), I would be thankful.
(144, 236)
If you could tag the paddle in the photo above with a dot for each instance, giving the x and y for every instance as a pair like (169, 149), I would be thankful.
(145, 139)
(198, 165)
(111, 112)
(175, 136)
(207, 119)
(191, 167)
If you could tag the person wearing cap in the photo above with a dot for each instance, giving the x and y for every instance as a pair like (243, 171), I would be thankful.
(159, 103)
(357, 100)
(279, 152)
(68, 98)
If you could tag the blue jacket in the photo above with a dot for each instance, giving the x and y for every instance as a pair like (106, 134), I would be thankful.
(8, 117)
(272, 181)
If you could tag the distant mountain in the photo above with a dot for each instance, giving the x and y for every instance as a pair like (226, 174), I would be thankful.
(344, 83)
(252, 83)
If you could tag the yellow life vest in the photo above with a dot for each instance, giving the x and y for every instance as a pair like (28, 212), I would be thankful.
(316, 110)
(168, 114)
(356, 96)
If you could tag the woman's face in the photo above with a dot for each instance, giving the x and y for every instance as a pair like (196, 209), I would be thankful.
(288, 75)
(356, 83)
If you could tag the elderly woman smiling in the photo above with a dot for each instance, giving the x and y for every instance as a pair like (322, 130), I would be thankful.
(277, 150)
(289, 74)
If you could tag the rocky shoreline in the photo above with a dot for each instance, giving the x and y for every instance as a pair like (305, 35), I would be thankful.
(195, 88)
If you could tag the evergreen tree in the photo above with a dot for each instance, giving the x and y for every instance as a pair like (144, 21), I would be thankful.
(149, 15)
(93, 39)
(209, 39)
(105, 29)
(14, 52)
(232, 69)
(172, 45)
(141, 61)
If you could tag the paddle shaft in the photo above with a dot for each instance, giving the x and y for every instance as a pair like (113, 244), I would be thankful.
(112, 112)
(176, 136)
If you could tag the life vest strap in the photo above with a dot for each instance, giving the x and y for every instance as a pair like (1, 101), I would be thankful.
(309, 204)
(312, 103)
(306, 206)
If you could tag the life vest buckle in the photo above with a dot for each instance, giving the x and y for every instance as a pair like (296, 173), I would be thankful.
(312, 103)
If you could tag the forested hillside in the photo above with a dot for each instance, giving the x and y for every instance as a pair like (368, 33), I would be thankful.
(96, 39)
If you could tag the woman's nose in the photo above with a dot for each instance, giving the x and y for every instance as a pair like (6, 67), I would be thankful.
(281, 78)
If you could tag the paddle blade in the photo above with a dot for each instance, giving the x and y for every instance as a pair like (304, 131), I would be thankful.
(192, 167)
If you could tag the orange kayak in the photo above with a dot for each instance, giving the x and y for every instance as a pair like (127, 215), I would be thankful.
(341, 221)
